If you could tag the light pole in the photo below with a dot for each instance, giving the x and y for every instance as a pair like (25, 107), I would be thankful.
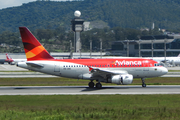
(127, 48)
(139, 47)
(165, 49)
(152, 48)
(100, 46)
(70, 49)
(90, 47)
(139, 37)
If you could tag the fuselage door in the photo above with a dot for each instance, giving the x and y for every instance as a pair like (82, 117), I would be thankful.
(146, 70)
(56, 68)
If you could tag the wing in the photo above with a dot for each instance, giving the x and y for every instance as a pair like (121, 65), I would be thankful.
(97, 72)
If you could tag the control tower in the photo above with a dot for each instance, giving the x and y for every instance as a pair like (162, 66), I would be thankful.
(77, 27)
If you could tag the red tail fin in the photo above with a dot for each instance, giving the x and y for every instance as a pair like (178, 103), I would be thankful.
(33, 49)
(8, 58)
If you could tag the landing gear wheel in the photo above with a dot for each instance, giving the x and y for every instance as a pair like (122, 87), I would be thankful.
(143, 85)
(91, 84)
(98, 85)
(143, 82)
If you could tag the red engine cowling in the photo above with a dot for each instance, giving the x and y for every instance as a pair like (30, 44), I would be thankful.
(122, 79)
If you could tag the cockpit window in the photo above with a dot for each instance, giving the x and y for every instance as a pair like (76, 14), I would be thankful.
(157, 64)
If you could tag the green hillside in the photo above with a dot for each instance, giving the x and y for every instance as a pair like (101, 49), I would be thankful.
(121, 13)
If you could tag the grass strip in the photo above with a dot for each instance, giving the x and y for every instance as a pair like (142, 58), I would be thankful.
(80, 107)
(74, 82)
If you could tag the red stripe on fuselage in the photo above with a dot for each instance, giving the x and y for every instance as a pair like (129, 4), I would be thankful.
(110, 62)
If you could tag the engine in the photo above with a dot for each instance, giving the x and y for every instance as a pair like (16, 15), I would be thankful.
(12, 63)
(121, 79)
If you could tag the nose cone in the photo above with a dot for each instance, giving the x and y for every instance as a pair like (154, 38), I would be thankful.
(164, 70)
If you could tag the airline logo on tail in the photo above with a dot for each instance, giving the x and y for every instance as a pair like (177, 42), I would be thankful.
(33, 49)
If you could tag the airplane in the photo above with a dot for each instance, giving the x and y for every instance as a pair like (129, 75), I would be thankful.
(13, 61)
(117, 70)
(171, 60)
(2, 61)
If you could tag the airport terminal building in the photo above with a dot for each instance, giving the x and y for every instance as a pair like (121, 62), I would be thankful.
(148, 46)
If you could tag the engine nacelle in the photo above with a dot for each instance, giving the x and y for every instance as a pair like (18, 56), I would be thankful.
(12, 63)
(122, 79)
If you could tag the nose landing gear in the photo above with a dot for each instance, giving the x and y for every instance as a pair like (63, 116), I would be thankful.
(143, 82)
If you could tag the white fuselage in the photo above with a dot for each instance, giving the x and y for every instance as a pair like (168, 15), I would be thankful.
(15, 61)
(171, 60)
(78, 71)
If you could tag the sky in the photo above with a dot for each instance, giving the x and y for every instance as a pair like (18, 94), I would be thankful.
(11, 3)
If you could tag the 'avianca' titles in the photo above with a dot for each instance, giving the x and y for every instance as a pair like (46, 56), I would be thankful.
(117, 70)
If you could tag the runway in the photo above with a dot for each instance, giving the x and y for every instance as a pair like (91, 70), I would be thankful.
(84, 90)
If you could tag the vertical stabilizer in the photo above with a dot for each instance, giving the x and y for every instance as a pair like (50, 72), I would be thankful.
(8, 58)
(33, 49)
(178, 55)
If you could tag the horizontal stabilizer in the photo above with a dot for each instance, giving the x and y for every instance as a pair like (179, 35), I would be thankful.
(34, 65)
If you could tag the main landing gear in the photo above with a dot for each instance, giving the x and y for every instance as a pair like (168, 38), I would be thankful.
(143, 82)
(98, 85)
(91, 84)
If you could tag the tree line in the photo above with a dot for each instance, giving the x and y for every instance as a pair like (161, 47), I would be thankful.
(58, 40)
(116, 13)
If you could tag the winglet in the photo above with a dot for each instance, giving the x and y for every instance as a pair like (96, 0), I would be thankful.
(33, 49)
